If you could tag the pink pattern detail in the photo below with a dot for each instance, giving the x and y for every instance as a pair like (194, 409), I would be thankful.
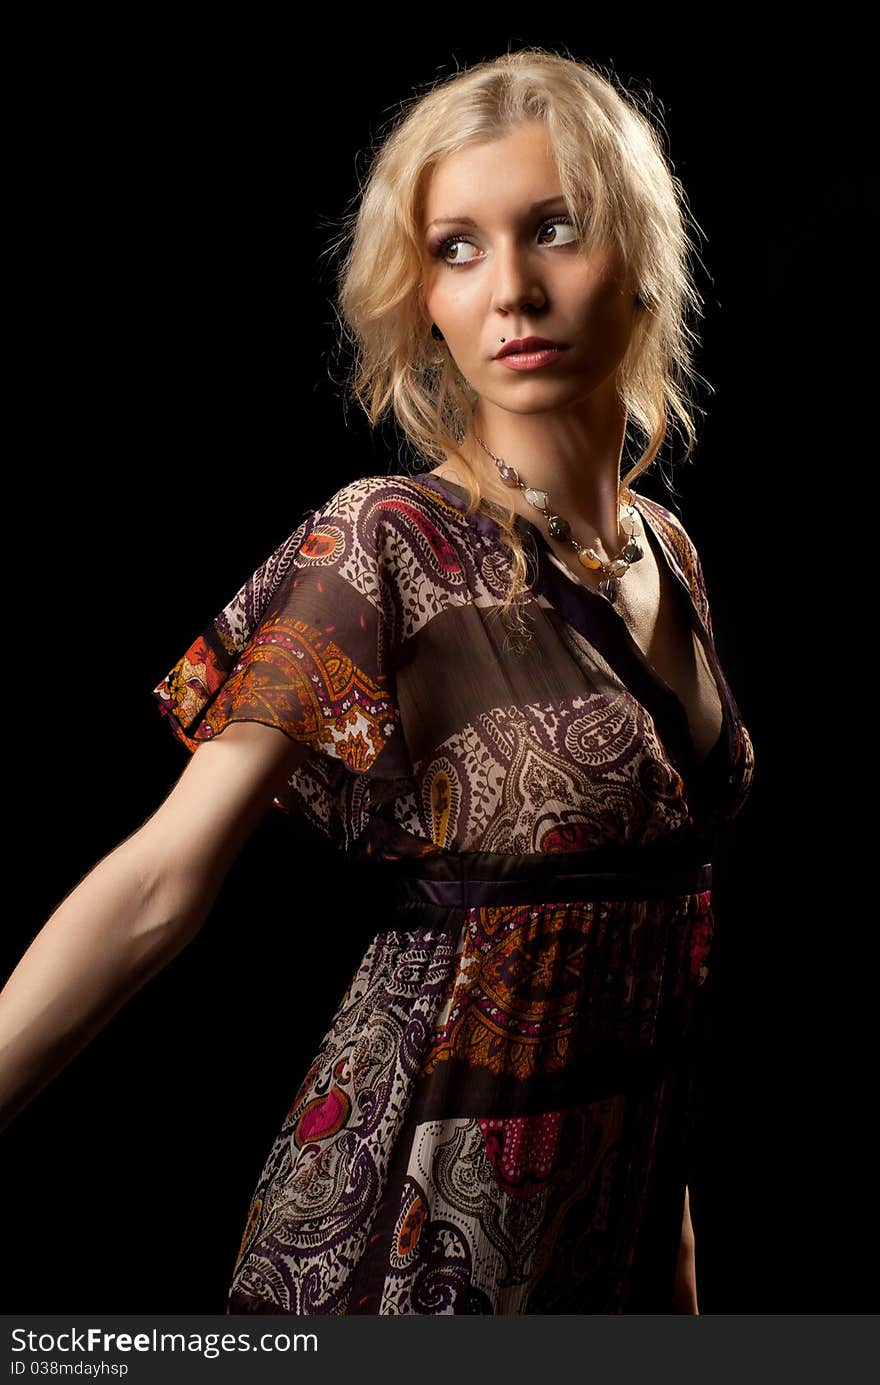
(522, 1150)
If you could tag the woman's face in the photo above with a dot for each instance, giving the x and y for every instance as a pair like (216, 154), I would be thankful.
(501, 259)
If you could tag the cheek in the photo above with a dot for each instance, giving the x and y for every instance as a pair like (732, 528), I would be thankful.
(599, 285)
(459, 314)
(605, 316)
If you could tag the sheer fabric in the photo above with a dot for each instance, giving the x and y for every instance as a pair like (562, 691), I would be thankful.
(499, 1118)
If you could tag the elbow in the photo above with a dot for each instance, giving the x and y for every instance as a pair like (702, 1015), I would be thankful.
(173, 901)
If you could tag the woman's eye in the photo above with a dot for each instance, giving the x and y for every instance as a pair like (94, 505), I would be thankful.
(562, 225)
(450, 245)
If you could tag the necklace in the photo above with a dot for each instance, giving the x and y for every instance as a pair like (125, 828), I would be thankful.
(559, 529)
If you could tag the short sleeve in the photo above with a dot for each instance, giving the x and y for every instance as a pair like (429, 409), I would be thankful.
(307, 645)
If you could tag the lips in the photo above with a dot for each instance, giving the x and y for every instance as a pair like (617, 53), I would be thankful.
(524, 344)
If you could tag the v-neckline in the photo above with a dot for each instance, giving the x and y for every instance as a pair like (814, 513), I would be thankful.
(605, 610)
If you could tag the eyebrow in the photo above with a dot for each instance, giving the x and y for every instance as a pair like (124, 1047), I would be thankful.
(469, 221)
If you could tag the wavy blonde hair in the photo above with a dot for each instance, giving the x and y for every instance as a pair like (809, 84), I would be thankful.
(617, 183)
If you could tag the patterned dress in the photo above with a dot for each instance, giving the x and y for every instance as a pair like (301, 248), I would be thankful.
(500, 1117)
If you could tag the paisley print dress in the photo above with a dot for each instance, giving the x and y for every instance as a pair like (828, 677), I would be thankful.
(499, 1119)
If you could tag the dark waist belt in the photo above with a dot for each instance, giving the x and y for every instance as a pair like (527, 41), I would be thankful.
(476, 879)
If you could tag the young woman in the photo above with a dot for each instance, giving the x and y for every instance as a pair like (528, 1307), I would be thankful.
(498, 691)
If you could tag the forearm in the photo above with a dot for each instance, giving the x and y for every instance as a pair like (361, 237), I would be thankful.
(685, 1298)
(687, 1226)
(113, 932)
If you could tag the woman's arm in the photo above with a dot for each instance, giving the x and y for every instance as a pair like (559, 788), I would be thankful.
(685, 1295)
(136, 909)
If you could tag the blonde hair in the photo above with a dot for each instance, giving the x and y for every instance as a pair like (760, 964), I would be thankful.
(617, 184)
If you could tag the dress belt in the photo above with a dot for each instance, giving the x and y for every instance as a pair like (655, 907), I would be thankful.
(478, 879)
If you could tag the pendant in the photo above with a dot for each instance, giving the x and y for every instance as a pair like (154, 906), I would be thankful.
(609, 587)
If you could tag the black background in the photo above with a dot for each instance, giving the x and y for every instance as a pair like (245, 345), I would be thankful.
(177, 406)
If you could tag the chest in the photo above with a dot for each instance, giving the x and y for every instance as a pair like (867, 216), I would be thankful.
(655, 611)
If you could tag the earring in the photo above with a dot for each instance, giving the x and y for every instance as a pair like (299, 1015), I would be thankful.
(436, 333)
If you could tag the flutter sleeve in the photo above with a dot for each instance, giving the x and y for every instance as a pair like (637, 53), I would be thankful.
(307, 645)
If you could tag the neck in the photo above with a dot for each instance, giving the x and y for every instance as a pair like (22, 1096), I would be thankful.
(573, 456)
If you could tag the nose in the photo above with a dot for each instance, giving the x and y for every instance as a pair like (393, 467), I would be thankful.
(517, 283)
